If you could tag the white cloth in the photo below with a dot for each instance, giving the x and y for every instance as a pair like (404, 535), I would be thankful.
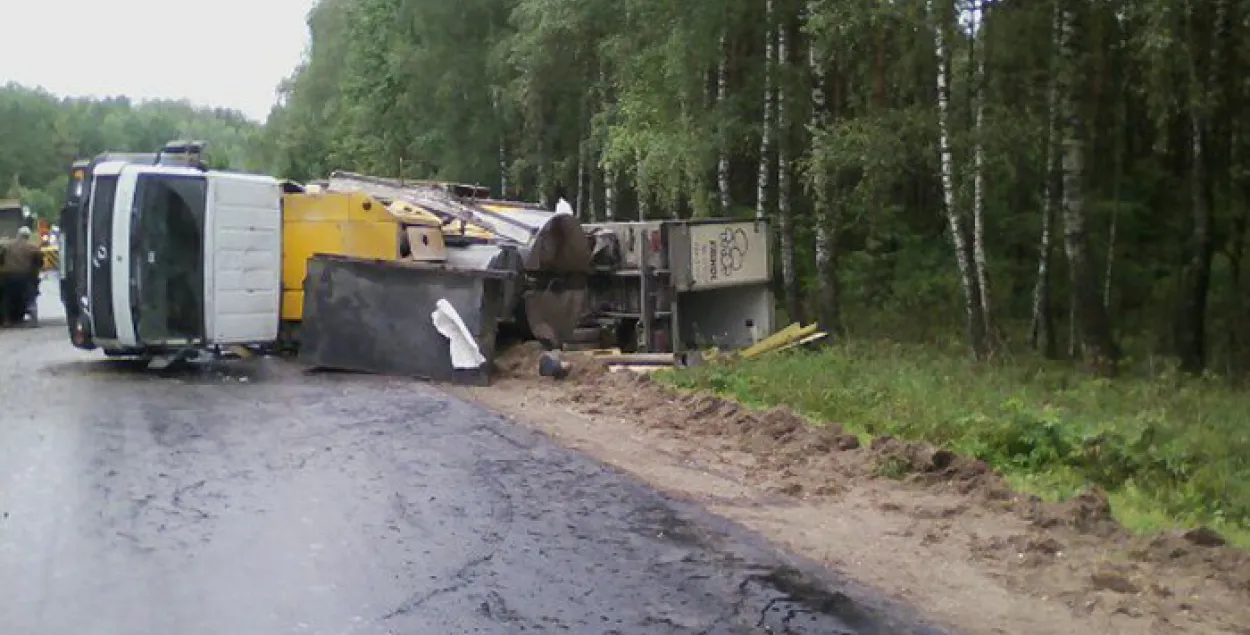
(464, 351)
(563, 207)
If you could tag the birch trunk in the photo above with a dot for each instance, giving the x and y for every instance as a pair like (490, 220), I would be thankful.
(978, 185)
(609, 194)
(1043, 326)
(1236, 256)
(722, 160)
(503, 149)
(1117, 181)
(592, 191)
(503, 169)
(828, 218)
(766, 143)
(785, 211)
(581, 181)
(967, 275)
(1192, 323)
(544, 195)
(1098, 348)
(609, 172)
(1108, 276)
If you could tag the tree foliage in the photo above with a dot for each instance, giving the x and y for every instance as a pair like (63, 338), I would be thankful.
(40, 135)
(902, 121)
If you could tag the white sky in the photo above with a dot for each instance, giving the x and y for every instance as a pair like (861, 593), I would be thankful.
(220, 53)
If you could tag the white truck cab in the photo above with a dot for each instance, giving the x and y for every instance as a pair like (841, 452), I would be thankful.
(179, 258)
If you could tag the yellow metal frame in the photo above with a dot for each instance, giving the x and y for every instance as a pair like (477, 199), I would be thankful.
(51, 258)
(330, 223)
(351, 224)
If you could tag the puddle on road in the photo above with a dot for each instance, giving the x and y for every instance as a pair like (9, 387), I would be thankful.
(773, 598)
(788, 602)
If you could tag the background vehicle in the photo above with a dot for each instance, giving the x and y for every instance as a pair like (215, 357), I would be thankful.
(14, 216)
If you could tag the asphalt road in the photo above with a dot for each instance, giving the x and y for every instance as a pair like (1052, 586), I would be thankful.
(254, 498)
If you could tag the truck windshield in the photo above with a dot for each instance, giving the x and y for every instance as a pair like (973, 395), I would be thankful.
(167, 256)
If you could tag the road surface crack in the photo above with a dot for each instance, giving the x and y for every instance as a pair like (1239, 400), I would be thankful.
(463, 577)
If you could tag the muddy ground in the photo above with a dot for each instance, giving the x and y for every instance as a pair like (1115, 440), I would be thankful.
(924, 526)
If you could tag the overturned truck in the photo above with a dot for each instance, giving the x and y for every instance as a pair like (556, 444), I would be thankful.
(166, 259)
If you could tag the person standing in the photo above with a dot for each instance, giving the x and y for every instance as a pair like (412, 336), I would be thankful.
(19, 277)
(8, 278)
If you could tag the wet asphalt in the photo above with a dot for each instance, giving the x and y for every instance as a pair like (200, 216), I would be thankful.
(253, 497)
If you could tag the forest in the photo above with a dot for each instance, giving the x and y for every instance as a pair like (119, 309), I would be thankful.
(1067, 174)
(1023, 223)
(41, 134)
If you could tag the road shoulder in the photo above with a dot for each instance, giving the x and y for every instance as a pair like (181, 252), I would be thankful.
(948, 538)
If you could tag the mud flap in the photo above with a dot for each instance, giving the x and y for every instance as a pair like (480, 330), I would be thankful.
(375, 317)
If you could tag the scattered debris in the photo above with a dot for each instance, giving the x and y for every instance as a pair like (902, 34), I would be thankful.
(550, 365)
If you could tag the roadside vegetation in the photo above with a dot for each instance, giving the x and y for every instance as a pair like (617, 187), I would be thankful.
(41, 134)
(1170, 450)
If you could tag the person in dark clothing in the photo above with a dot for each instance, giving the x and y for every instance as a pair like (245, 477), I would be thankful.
(20, 263)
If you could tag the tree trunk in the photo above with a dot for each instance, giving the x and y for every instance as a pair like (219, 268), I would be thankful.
(1098, 347)
(581, 181)
(967, 274)
(609, 193)
(1191, 329)
(503, 150)
(1236, 256)
(1108, 276)
(592, 190)
(766, 144)
(544, 191)
(1043, 327)
(785, 211)
(1117, 181)
(978, 188)
(722, 160)
(828, 217)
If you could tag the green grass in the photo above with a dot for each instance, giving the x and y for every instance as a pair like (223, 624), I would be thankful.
(1171, 452)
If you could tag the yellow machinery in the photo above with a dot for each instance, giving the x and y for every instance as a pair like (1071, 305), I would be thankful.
(48, 247)
(332, 223)
(366, 259)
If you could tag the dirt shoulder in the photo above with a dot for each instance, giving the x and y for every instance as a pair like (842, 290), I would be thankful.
(938, 531)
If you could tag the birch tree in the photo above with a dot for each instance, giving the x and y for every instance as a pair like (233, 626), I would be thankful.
(942, 17)
(785, 208)
(1096, 345)
(766, 127)
(1043, 322)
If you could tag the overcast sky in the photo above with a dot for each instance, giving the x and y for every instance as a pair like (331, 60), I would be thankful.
(227, 53)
